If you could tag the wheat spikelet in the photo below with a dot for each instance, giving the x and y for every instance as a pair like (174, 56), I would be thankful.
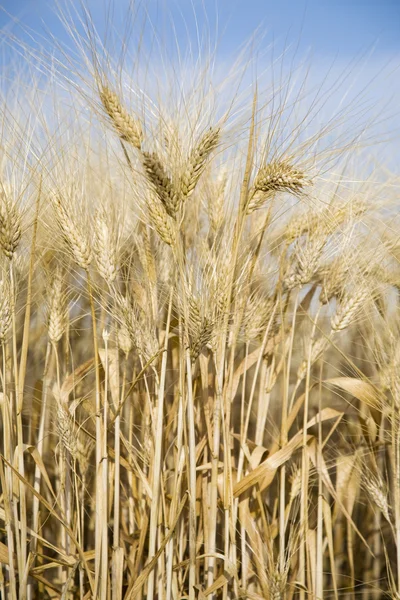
(377, 491)
(332, 279)
(197, 161)
(66, 430)
(329, 220)
(76, 240)
(124, 339)
(135, 328)
(72, 438)
(348, 309)
(202, 339)
(5, 308)
(10, 226)
(128, 128)
(106, 247)
(161, 182)
(257, 313)
(146, 255)
(56, 307)
(295, 483)
(318, 348)
(277, 176)
(216, 201)
(162, 222)
(307, 258)
(276, 586)
(200, 328)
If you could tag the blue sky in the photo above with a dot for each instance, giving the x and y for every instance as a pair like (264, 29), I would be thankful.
(331, 33)
(326, 27)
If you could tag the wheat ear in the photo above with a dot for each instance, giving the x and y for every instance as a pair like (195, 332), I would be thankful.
(10, 226)
(76, 241)
(276, 176)
(128, 128)
(161, 221)
(106, 247)
(161, 182)
(56, 309)
(197, 161)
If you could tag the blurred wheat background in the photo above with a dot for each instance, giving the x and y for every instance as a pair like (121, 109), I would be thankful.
(199, 320)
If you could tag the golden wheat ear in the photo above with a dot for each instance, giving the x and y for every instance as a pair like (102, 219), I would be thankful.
(161, 182)
(75, 236)
(10, 226)
(274, 177)
(198, 160)
(128, 128)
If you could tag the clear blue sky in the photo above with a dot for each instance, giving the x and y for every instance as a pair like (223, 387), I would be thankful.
(328, 32)
(326, 27)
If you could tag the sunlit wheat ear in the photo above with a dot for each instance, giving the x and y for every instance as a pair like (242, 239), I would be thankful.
(124, 339)
(277, 585)
(318, 348)
(57, 311)
(277, 176)
(257, 312)
(161, 182)
(328, 219)
(128, 128)
(295, 483)
(74, 236)
(133, 331)
(216, 200)
(376, 490)
(306, 260)
(5, 307)
(106, 246)
(199, 325)
(71, 437)
(10, 226)
(332, 279)
(66, 430)
(349, 308)
(197, 161)
(161, 221)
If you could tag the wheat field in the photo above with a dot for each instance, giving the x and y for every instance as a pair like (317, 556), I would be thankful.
(200, 337)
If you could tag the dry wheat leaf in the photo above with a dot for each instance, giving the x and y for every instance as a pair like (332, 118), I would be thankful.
(40, 464)
(50, 508)
(326, 510)
(362, 390)
(266, 471)
(74, 378)
(4, 554)
(137, 585)
(321, 467)
(270, 465)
